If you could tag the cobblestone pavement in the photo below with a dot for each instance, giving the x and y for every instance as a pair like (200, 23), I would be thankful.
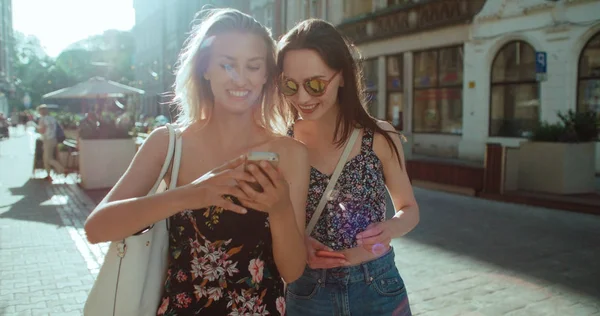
(468, 256)
(46, 266)
(471, 256)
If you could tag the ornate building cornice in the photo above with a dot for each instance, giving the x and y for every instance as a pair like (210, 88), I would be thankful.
(410, 18)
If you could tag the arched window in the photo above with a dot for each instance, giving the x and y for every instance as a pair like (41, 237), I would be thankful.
(589, 77)
(514, 97)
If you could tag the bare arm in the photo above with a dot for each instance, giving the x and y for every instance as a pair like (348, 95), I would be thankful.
(126, 209)
(288, 231)
(398, 183)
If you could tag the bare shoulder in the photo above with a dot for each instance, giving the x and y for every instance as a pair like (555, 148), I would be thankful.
(156, 145)
(381, 146)
(292, 153)
(144, 168)
(159, 136)
(286, 143)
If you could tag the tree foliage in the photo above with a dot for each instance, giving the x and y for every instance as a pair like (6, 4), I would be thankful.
(35, 73)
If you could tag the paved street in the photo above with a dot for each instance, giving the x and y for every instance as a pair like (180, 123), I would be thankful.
(467, 257)
(471, 256)
(43, 266)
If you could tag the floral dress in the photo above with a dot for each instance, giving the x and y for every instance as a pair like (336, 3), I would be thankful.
(221, 263)
(359, 198)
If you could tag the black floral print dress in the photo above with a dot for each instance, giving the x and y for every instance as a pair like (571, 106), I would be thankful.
(221, 263)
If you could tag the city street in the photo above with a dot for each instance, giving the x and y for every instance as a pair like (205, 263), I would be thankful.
(468, 256)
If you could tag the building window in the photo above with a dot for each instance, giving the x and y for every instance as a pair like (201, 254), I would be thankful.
(438, 76)
(370, 78)
(312, 8)
(514, 104)
(396, 2)
(395, 88)
(315, 9)
(268, 11)
(589, 77)
(354, 8)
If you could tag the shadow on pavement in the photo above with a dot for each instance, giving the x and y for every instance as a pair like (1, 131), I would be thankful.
(35, 204)
(557, 246)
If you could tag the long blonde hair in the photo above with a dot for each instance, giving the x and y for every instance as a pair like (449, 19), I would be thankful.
(193, 94)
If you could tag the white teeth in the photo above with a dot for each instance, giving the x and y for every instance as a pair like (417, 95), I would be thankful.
(238, 93)
(308, 107)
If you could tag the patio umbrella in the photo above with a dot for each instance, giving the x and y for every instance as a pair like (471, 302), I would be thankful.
(94, 88)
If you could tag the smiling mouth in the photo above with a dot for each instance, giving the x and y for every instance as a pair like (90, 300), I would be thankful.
(308, 107)
(238, 93)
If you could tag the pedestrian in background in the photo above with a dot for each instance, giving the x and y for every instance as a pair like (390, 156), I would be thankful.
(46, 127)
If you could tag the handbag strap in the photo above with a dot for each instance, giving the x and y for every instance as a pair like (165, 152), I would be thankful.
(176, 161)
(167, 161)
(332, 182)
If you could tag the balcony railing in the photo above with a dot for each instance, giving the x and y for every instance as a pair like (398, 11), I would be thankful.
(410, 18)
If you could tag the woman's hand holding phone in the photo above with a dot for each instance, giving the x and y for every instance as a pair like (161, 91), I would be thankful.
(275, 195)
(212, 188)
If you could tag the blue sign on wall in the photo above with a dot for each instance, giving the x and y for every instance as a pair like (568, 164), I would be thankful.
(541, 62)
(541, 66)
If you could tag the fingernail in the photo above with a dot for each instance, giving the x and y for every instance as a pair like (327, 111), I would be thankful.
(359, 242)
(244, 211)
(263, 164)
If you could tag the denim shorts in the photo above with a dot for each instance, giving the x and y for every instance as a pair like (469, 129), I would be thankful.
(371, 288)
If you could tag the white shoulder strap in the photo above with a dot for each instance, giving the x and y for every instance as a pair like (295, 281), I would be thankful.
(332, 182)
(167, 161)
(176, 161)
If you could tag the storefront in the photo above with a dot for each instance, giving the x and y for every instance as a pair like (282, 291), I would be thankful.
(455, 88)
(420, 87)
(504, 97)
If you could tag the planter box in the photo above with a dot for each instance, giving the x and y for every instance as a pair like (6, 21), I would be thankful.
(558, 168)
(103, 161)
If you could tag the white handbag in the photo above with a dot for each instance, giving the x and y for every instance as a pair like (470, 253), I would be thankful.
(131, 279)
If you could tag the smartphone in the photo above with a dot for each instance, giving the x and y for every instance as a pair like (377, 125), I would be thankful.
(330, 254)
(255, 157)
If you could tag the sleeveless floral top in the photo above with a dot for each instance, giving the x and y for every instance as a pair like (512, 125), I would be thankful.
(221, 263)
(359, 198)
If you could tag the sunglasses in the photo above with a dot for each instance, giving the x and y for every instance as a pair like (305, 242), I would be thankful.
(313, 86)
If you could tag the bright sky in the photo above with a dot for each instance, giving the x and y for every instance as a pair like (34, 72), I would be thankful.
(59, 23)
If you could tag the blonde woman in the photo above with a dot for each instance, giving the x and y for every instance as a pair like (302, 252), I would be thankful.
(231, 247)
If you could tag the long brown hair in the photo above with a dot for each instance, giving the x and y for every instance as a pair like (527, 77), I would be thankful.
(337, 52)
